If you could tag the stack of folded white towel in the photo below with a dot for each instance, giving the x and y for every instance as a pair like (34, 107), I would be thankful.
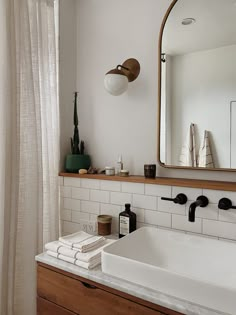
(81, 249)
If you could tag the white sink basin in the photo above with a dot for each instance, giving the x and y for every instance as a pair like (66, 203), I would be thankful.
(189, 267)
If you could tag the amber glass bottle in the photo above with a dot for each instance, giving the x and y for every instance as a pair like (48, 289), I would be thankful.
(127, 221)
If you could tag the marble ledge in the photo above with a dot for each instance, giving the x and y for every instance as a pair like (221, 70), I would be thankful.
(152, 296)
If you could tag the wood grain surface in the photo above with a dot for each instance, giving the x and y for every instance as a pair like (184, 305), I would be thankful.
(181, 182)
(85, 297)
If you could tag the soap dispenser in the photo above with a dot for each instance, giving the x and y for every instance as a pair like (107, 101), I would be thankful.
(127, 221)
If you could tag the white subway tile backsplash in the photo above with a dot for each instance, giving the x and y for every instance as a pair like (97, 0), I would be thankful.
(191, 193)
(171, 207)
(100, 196)
(227, 215)
(145, 202)
(120, 198)
(72, 204)
(90, 207)
(219, 229)
(90, 183)
(66, 215)
(65, 191)
(134, 188)
(163, 219)
(215, 195)
(71, 181)
(110, 185)
(151, 217)
(84, 199)
(70, 227)
(110, 209)
(115, 225)
(209, 212)
(88, 226)
(158, 218)
(80, 193)
(93, 217)
(78, 216)
(181, 222)
(158, 190)
(139, 214)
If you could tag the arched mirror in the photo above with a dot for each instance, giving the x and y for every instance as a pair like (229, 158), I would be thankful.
(197, 85)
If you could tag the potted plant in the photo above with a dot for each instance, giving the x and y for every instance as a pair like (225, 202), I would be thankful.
(77, 159)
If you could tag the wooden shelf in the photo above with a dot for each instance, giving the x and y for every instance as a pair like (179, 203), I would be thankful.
(182, 182)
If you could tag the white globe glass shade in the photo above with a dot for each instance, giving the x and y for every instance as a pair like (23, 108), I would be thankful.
(115, 84)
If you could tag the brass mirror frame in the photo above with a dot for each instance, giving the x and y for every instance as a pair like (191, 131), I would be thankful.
(159, 107)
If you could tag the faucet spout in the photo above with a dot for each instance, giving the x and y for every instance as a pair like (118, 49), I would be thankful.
(202, 202)
(192, 210)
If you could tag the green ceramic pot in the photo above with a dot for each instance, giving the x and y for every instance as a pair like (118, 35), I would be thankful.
(75, 162)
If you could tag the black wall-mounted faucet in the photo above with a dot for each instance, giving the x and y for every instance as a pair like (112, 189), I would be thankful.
(180, 199)
(225, 204)
(202, 202)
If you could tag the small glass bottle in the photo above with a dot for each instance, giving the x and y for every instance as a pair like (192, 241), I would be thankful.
(127, 221)
(119, 165)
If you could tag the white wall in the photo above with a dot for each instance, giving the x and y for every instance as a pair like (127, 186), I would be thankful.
(108, 33)
(203, 85)
(67, 72)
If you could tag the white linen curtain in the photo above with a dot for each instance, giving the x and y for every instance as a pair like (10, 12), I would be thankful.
(30, 162)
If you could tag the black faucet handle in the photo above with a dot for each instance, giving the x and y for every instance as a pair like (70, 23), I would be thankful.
(225, 204)
(180, 199)
(202, 201)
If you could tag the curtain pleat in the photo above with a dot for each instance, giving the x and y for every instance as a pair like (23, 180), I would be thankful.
(32, 214)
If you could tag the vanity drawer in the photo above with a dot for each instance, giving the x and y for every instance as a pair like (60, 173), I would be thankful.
(83, 298)
(45, 307)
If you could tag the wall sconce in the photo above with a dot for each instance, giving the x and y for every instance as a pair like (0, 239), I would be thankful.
(116, 80)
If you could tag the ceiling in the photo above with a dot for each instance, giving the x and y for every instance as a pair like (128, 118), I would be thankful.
(215, 26)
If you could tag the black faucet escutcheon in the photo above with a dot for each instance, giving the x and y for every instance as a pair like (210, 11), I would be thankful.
(225, 204)
(202, 202)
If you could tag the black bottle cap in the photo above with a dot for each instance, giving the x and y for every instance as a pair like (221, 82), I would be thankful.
(127, 205)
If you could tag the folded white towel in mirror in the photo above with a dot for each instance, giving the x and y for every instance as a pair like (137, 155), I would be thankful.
(82, 241)
(86, 265)
(92, 255)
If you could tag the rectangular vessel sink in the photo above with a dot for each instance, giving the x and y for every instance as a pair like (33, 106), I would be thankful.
(193, 268)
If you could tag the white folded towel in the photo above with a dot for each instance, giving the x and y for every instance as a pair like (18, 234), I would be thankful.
(86, 265)
(90, 256)
(82, 241)
(188, 152)
(205, 158)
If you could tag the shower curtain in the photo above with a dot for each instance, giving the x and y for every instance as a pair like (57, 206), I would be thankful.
(29, 140)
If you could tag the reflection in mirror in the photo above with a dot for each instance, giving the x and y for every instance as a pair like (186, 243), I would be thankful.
(198, 85)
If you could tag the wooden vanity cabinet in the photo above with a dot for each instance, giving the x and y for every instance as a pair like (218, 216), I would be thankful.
(63, 293)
